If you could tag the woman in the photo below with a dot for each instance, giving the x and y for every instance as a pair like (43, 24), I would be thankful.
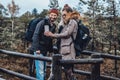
(66, 45)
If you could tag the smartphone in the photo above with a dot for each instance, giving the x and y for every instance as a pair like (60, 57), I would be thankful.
(46, 27)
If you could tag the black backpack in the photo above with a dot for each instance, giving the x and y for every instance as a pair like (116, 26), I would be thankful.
(82, 38)
(31, 28)
(81, 41)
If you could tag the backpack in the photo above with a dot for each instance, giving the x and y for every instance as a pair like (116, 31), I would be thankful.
(31, 28)
(82, 38)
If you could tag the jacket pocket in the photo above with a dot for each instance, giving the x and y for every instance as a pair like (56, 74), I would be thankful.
(65, 49)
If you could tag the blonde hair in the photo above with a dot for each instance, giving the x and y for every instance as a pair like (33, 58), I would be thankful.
(76, 15)
(85, 20)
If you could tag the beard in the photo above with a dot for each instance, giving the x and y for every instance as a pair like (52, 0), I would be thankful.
(52, 19)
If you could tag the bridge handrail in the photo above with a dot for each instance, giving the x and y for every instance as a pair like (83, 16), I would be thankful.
(17, 74)
(87, 73)
(94, 60)
(103, 55)
(48, 59)
(82, 61)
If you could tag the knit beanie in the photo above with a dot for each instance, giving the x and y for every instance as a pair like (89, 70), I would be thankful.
(53, 11)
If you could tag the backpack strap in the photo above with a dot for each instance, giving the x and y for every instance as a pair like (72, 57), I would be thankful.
(59, 39)
(60, 29)
(83, 27)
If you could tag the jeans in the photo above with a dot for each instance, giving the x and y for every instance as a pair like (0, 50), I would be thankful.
(40, 68)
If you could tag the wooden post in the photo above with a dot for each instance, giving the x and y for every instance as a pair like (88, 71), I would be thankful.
(116, 68)
(95, 73)
(102, 46)
(56, 67)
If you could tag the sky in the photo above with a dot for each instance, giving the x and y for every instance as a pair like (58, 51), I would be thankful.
(29, 5)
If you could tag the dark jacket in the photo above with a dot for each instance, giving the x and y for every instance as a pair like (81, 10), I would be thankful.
(40, 41)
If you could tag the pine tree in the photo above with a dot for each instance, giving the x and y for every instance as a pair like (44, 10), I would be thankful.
(80, 5)
(35, 12)
(112, 11)
(53, 4)
(3, 11)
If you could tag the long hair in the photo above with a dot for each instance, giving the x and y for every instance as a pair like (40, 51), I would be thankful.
(75, 15)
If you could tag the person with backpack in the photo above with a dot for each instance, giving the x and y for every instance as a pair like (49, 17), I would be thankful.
(28, 38)
(83, 34)
(42, 44)
(67, 49)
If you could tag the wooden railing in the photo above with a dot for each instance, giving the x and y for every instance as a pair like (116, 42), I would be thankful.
(95, 61)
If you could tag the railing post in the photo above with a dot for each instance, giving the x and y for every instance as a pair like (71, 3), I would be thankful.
(56, 67)
(102, 46)
(95, 73)
(116, 68)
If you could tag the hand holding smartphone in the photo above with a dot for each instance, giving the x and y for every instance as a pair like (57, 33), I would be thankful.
(46, 27)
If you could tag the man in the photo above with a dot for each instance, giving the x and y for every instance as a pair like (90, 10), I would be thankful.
(42, 44)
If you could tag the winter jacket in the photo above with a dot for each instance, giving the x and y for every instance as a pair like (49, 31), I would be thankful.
(66, 45)
(40, 41)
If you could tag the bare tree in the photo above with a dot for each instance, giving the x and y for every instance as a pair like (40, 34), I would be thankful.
(13, 10)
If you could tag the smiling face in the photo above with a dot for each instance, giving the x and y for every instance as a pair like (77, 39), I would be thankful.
(66, 16)
(53, 17)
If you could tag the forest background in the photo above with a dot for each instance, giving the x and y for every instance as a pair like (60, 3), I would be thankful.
(102, 17)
